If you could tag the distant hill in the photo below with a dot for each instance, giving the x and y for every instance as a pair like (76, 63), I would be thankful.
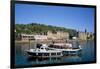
(34, 28)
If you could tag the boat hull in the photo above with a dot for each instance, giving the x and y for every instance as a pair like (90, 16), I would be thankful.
(42, 55)
(66, 53)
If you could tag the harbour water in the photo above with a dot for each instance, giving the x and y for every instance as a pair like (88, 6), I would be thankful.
(87, 55)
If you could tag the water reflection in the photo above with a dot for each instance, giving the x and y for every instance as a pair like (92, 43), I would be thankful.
(38, 60)
(64, 59)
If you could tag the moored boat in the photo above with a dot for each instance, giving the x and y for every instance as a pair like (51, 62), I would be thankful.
(44, 52)
(66, 48)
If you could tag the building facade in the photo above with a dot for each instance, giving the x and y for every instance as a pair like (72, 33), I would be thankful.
(58, 35)
(26, 37)
(82, 36)
(85, 35)
(49, 36)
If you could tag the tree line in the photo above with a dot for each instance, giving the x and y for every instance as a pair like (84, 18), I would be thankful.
(35, 28)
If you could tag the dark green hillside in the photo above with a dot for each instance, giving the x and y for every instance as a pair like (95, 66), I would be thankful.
(35, 28)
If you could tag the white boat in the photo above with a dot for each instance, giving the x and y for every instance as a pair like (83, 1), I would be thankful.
(66, 48)
(44, 52)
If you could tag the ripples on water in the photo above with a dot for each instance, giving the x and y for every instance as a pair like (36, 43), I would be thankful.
(87, 55)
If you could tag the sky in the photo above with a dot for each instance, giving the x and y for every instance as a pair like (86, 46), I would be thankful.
(77, 18)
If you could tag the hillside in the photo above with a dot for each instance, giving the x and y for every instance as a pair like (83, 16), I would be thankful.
(34, 28)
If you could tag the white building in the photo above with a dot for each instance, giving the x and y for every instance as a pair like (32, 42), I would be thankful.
(26, 37)
(40, 37)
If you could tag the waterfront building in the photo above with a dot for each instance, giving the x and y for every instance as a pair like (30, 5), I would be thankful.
(40, 37)
(62, 35)
(82, 35)
(50, 35)
(26, 37)
(58, 35)
(85, 35)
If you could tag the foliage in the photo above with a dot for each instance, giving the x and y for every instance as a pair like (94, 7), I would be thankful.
(34, 28)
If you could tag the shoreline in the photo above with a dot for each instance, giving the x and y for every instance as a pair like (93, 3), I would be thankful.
(49, 41)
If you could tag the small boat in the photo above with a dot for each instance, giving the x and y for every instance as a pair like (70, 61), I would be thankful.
(44, 52)
(66, 48)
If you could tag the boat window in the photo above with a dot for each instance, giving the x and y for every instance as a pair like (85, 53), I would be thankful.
(41, 48)
(46, 54)
(53, 53)
(72, 51)
(58, 53)
(34, 54)
(40, 54)
(47, 49)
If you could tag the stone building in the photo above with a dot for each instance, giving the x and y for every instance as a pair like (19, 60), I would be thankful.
(85, 35)
(82, 35)
(50, 36)
(58, 35)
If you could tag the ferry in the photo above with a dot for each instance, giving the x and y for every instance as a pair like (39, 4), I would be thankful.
(66, 48)
(44, 52)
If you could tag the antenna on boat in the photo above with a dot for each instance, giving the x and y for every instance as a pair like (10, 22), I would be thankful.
(29, 43)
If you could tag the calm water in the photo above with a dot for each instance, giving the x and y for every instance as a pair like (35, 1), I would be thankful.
(87, 54)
